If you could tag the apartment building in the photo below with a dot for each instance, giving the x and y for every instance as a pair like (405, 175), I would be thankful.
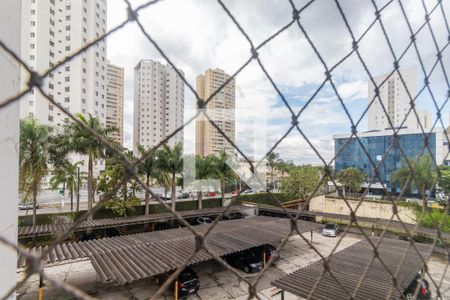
(158, 104)
(395, 99)
(221, 109)
(114, 100)
(51, 31)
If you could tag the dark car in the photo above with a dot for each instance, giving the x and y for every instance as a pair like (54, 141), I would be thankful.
(234, 215)
(184, 195)
(270, 252)
(246, 261)
(204, 220)
(424, 292)
(162, 225)
(188, 282)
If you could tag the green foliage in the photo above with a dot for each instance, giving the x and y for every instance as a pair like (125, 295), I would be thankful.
(444, 180)
(433, 219)
(66, 173)
(33, 156)
(265, 198)
(351, 179)
(423, 176)
(122, 207)
(170, 160)
(301, 182)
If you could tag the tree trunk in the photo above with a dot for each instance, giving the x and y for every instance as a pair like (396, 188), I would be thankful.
(71, 198)
(147, 195)
(89, 187)
(78, 188)
(199, 199)
(34, 211)
(273, 181)
(174, 187)
(222, 191)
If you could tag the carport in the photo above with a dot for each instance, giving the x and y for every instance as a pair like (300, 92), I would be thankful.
(125, 259)
(348, 267)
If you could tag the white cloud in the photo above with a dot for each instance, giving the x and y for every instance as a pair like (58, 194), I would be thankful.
(197, 35)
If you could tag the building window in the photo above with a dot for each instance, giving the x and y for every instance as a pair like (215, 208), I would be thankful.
(31, 57)
(33, 12)
(67, 18)
(31, 46)
(50, 118)
(32, 34)
(33, 23)
(50, 107)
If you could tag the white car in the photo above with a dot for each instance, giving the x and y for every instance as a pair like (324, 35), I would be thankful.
(330, 229)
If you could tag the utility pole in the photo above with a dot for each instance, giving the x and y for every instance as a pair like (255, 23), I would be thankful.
(78, 189)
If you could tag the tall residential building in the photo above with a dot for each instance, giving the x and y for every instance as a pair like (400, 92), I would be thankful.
(158, 104)
(114, 100)
(51, 31)
(221, 109)
(395, 100)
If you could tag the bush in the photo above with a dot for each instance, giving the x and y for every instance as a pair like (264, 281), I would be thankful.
(265, 198)
(433, 219)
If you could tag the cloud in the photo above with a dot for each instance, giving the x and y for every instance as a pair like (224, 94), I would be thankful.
(197, 35)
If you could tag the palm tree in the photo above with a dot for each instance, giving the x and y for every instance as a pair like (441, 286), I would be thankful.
(148, 168)
(221, 170)
(33, 157)
(272, 160)
(66, 174)
(171, 161)
(422, 179)
(78, 140)
(204, 170)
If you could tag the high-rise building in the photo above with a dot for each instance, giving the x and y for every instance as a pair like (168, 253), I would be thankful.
(425, 119)
(114, 100)
(395, 100)
(158, 104)
(221, 109)
(51, 31)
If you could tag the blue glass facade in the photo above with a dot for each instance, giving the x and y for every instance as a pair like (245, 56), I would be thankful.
(352, 154)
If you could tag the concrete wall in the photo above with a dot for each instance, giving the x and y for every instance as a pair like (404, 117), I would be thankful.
(366, 209)
(9, 142)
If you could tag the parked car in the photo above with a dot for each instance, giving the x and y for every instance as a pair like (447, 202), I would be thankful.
(188, 282)
(183, 195)
(424, 292)
(246, 261)
(330, 229)
(212, 194)
(234, 215)
(270, 252)
(162, 225)
(27, 206)
(204, 220)
(248, 192)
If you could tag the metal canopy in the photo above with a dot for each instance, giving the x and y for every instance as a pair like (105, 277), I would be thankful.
(47, 229)
(125, 259)
(348, 267)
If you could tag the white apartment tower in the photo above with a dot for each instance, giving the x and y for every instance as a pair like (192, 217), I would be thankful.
(114, 100)
(158, 104)
(51, 31)
(395, 100)
(221, 109)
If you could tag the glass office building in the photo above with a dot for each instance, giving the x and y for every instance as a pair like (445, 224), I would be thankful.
(378, 144)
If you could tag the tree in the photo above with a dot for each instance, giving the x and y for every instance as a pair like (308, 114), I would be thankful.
(272, 160)
(204, 170)
(123, 201)
(422, 179)
(78, 140)
(444, 181)
(149, 169)
(351, 179)
(221, 170)
(171, 161)
(301, 182)
(33, 157)
(66, 174)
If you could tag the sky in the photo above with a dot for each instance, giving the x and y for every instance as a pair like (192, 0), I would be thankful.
(198, 34)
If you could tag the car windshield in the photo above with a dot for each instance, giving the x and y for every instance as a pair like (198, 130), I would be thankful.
(329, 226)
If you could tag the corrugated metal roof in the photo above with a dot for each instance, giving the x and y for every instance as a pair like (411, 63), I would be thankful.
(46, 229)
(128, 258)
(348, 266)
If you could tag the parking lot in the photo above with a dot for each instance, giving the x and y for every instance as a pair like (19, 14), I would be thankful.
(216, 282)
